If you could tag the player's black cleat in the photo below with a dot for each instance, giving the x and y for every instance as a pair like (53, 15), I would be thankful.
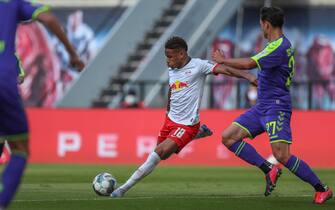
(204, 131)
(271, 179)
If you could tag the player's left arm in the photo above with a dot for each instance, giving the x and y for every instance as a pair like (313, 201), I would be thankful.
(229, 71)
(169, 101)
(28, 11)
(52, 23)
(238, 63)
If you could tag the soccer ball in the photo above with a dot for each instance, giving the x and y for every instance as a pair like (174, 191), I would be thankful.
(104, 184)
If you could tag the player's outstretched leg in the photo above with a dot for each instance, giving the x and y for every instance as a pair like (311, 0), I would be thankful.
(203, 132)
(162, 152)
(302, 170)
(231, 139)
(13, 172)
(146, 168)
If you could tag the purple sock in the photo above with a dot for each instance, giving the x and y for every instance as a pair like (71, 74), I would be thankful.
(302, 170)
(247, 153)
(11, 178)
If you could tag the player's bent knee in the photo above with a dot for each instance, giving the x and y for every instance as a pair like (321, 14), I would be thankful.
(163, 153)
(233, 134)
(20, 146)
(281, 156)
(165, 156)
(281, 152)
(159, 151)
(166, 149)
(227, 138)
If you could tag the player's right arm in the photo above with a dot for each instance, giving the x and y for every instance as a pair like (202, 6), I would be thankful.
(51, 22)
(237, 63)
(268, 58)
(169, 101)
(209, 67)
(229, 71)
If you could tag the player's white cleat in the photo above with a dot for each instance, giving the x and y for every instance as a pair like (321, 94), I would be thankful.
(118, 193)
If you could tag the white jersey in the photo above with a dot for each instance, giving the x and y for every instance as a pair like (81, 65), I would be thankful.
(187, 86)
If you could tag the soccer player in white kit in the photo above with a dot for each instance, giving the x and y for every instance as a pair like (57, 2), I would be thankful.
(186, 80)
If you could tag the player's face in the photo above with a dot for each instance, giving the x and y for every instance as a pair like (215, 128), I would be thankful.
(174, 58)
(265, 28)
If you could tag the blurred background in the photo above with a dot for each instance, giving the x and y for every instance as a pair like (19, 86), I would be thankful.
(121, 41)
(125, 81)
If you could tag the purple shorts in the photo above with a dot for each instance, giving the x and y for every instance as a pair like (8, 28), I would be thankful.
(275, 123)
(13, 119)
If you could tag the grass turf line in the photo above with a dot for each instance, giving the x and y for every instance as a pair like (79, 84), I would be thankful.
(69, 187)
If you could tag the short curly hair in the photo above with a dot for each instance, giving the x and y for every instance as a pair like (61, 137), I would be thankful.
(176, 42)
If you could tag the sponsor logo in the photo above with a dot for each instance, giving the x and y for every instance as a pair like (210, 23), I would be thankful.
(188, 72)
(178, 85)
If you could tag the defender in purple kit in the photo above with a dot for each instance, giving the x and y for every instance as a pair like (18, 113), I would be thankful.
(272, 112)
(13, 124)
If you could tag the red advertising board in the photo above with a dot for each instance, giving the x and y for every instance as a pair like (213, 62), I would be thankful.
(127, 136)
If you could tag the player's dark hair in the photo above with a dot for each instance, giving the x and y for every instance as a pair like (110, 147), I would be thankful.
(176, 42)
(273, 15)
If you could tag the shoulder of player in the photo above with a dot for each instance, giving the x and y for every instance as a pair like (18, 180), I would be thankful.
(199, 61)
(193, 64)
(196, 60)
(278, 46)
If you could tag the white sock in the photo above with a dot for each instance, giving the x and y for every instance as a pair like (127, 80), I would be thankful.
(146, 168)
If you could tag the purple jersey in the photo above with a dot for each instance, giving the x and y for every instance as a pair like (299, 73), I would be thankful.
(13, 123)
(13, 12)
(276, 64)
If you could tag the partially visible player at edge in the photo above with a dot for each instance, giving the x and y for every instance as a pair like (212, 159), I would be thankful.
(20, 79)
(272, 113)
(186, 80)
(13, 124)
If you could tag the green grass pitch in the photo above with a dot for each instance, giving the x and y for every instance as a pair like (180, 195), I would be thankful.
(68, 187)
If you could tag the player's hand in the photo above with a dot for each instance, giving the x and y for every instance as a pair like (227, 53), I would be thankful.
(77, 63)
(253, 80)
(217, 56)
(20, 79)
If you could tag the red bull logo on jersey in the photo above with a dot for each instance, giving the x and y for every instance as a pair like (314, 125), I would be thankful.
(178, 85)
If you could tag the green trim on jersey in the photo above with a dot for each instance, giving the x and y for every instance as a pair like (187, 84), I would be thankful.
(40, 10)
(20, 153)
(244, 128)
(19, 61)
(271, 47)
(15, 137)
(281, 140)
(2, 46)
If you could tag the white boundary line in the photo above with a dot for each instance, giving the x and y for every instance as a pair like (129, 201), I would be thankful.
(167, 197)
